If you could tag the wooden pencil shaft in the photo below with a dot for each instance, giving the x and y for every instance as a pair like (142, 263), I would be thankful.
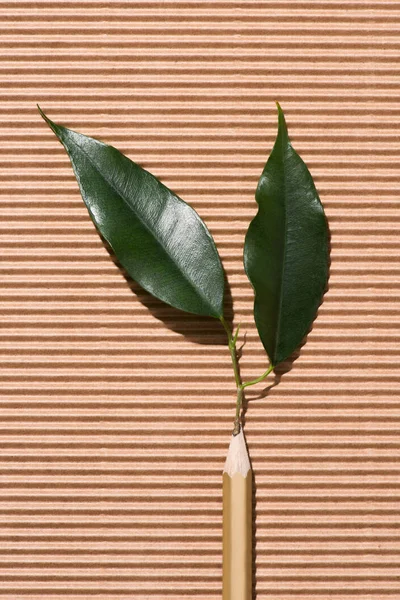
(237, 536)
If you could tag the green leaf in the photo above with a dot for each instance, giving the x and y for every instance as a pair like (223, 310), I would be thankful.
(158, 238)
(286, 250)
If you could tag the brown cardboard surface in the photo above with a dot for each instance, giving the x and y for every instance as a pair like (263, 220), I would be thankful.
(116, 411)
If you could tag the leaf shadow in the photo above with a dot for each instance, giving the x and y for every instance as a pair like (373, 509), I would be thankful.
(254, 535)
(195, 328)
(251, 395)
(286, 366)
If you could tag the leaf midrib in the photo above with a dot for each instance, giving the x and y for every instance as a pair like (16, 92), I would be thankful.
(279, 323)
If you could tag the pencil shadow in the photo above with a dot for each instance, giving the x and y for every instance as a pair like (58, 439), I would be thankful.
(252, 395)
(254, 537)
(195, 328)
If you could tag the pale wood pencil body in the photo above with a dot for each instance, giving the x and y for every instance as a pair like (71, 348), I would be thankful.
(237, 523)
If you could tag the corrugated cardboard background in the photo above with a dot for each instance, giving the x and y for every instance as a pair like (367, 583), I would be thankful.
(116, 411)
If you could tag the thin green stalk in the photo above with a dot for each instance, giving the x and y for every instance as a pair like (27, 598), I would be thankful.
(240, 386)
(232, 350)
(239, 402)
(259, 379)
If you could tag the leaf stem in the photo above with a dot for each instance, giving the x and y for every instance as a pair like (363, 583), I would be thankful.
(263, 376)
(240, 386)
(232, 350)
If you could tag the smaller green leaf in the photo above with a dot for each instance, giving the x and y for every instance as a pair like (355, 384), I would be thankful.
(286, 250)
(158, 238)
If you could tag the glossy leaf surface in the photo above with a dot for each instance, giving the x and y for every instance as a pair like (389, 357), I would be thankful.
(158, 238)
(286, 250)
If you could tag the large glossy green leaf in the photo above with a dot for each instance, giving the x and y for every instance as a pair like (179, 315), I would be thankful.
(286, 250)
(158, 238)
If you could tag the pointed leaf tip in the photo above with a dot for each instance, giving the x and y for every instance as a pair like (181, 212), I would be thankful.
(55, 128)
(42, 113)
(282, 127)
